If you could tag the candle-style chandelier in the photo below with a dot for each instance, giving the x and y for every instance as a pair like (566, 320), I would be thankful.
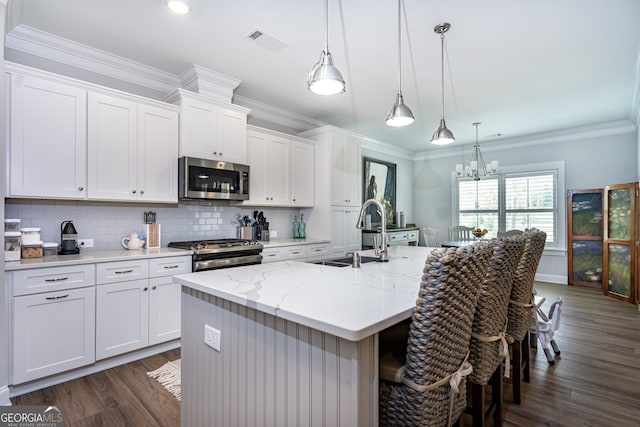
(477, 168)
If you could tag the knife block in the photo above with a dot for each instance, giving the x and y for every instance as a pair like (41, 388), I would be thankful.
(152, 232)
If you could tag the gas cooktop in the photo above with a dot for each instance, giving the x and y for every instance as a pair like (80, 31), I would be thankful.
(217, 245)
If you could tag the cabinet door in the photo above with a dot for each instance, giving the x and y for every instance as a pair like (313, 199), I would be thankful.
(48, 140)
(122, 317)
(619, 242)
(269, 160)
(52, 332)
(345, 237)
(278, 172)
(338, 147)
(157, 154)
(584, 228)
(164, 310)
(112, 148)
(232, 136)
(352, 176)
(198, 129)
(302, 174)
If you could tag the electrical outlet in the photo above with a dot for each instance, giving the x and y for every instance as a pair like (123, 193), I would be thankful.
(85, 243)
(273, 233)
(212, 337)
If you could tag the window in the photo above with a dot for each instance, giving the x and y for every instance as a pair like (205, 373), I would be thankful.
(516, 198)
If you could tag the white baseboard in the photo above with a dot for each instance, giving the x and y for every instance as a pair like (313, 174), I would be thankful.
(101, 365)
(4, 396)
(551, 278)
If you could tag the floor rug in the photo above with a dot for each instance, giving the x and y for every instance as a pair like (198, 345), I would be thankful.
(169, 376)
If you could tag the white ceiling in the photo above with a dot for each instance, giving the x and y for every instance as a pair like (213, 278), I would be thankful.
(519, 67)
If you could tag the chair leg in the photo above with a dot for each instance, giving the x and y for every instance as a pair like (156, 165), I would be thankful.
(478, 409)
(516, 372)
(497, 395)
(525, 358)
(556, 349)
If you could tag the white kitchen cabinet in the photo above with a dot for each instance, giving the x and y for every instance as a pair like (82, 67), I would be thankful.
(346, 159)
(211, 130)
(132, 150)
(282, 253)
(47, 139)
(52, 332)
(394, 238)
(302, 174)
(318, 251)
(345, 237)
(53, 321)
(269, 157)
(137, 304)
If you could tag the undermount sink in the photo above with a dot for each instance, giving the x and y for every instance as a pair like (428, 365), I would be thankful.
(346, 261)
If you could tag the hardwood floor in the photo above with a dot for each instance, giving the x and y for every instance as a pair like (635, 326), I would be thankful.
(595, 381)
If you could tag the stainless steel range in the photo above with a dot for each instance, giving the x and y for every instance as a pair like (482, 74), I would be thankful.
(221, 253)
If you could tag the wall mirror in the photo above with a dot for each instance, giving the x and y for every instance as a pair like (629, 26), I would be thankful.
(380, 184)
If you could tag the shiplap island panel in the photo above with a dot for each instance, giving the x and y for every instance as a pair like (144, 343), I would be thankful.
(299, 343)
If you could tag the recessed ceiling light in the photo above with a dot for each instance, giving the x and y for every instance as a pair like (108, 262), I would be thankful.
(179, 7)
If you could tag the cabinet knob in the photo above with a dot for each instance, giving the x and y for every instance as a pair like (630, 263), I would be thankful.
(221, 154)
(294, 200)
(154, 287)
(266, 198)
(145, 288)
(215, 153)
(134, 191)
(81, 188)
(141, 191)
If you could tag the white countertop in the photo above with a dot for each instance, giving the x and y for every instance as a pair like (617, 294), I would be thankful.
(351, 303)
(275, 243)
(91, 257)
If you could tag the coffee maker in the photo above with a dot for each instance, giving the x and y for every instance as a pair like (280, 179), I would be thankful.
(69, 239)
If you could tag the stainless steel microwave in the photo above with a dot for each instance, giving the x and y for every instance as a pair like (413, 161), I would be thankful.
(212, 180)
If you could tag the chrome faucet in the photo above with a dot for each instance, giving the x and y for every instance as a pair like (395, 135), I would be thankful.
(381, 250)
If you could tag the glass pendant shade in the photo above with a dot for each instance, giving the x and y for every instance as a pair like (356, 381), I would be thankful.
(442, 136)
(400, 114)
(324, 77)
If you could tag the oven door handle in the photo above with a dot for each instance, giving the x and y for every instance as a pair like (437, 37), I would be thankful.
(211, 264)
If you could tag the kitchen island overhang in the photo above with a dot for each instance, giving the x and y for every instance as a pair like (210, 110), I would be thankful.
(299, 341)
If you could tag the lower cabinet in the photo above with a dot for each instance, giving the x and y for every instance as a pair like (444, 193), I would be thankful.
(132, 314)
(52, 332)
(307, 252)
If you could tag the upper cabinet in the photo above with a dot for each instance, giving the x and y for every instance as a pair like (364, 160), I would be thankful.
(210, 129)
(47, 139)
(74, 140)
(345, 170)
(132, 150)
(282, 169)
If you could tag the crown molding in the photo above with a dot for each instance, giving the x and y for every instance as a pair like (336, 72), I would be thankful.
(208, 82)
(272, 114)
(45, 45)
(566, 135)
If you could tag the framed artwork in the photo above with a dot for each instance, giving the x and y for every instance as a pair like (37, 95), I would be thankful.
(585, 228)
(380, 183)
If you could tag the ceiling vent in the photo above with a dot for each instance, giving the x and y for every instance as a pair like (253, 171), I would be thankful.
(265, 40)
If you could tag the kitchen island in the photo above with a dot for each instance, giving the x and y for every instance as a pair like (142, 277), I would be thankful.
(298, 341)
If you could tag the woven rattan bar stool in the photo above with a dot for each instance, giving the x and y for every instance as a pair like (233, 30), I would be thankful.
(522, 309)
(489, 347)
(421, 382)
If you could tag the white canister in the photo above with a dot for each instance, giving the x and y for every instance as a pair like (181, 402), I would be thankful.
(12, 225)
(30, 235)
(401, 220)
(12, 245)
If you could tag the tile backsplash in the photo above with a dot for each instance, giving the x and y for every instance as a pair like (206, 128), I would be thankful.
(107, 223)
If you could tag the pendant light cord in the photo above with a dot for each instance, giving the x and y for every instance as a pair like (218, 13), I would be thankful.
(442, 70)
(399, 48)
(326, 25)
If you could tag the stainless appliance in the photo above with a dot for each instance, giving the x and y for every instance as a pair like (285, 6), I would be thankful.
(68, 239)
(212, 179)
(221, 253)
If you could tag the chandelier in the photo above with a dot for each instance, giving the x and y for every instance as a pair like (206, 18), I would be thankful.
(477, 168)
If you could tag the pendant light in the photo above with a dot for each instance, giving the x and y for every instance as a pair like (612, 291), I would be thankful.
(442, 135)
(324, 78)
(477, 168)
(400, 114)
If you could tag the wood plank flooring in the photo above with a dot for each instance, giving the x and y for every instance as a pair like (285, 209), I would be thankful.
(595, 381)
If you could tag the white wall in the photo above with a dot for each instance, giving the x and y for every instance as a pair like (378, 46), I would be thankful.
(592, 160)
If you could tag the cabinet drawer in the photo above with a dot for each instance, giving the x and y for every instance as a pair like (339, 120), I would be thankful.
(112, 272)
(272, 255)
(284, 253)
(38, 280)
(412, 235)
(171, 266)
(318, 251)
(295, 252)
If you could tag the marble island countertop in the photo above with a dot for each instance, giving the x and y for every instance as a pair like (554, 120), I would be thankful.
(352, 303)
